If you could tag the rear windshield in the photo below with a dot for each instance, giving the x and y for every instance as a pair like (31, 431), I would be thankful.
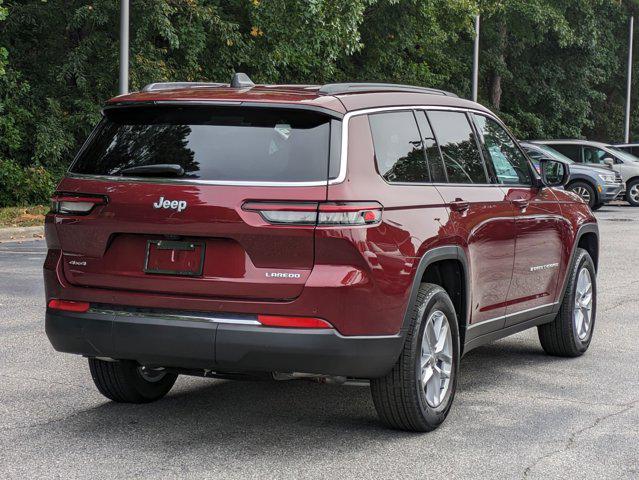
(225, 144)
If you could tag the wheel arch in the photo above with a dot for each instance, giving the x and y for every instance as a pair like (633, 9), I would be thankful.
(446, 266)
(587, 237)
(589, 241)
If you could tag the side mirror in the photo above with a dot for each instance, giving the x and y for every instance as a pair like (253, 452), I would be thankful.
(609, 161)
(553, 173)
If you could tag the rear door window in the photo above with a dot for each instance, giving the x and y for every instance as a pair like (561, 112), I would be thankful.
(433, 156)
(573, 152)
(217, 144)
(459, 148)
(398, 146)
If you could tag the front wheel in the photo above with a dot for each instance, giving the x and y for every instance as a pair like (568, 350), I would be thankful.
(569, 335)
(632, 193)
(585, 191)
(416, 395)
(126, 381)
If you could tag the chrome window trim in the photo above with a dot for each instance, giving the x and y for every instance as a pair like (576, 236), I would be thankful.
(172, 181)
(367, 111)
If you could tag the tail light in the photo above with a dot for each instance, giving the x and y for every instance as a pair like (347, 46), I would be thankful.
(318, 213)
(68, 305)
(292, 322)
(352, 213)
(285, 213)
(71, 204)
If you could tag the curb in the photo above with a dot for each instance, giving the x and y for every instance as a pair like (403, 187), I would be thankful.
(21, 233)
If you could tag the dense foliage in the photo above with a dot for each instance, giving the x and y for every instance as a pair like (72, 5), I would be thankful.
(549, 67)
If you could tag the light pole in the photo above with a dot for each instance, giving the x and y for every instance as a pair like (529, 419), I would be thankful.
(629, 84)
(476, 60)
(124, 47)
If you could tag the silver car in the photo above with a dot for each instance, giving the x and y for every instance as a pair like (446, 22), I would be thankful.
(602, 154)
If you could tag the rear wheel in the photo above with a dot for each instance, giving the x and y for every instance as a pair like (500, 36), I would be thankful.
(128, 382)
(570, 333)
(596, 207)
(585, 191)
(418, 392)
(632, 193)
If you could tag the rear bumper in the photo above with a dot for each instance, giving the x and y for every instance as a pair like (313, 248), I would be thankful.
(219, 343)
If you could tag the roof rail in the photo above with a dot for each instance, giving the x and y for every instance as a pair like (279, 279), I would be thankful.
(342, 88)
(152, 87)
(239, 80)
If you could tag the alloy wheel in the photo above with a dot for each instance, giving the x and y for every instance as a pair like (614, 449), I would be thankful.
(582, 314)
(634, 193)
(583, 193)
(436, 362)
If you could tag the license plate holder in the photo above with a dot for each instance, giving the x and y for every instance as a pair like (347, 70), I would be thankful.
(171, 257)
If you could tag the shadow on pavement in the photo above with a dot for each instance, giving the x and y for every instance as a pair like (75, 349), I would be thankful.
(262, 417)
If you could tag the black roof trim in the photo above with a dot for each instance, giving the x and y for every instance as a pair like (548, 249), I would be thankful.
(217, 103)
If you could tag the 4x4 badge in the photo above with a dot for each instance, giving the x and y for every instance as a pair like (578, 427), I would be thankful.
(178, 205)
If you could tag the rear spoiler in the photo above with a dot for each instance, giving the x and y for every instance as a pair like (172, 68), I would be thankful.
(219, 103)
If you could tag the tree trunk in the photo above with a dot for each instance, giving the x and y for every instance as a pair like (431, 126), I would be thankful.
(495, 88)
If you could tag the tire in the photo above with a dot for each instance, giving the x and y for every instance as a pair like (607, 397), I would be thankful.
(632, 193)
(564, 337)
(596, 207)
(125, 381)
(400, 400)
(585, 191)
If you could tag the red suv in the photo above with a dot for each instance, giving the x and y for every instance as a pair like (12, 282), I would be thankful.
(342, 232)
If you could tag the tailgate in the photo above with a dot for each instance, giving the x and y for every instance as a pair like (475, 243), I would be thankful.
(174, 182)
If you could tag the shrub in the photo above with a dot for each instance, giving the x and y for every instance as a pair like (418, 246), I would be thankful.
(24, 186)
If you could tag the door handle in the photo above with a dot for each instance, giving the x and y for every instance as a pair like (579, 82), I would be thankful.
(459, 205)
(521, 203)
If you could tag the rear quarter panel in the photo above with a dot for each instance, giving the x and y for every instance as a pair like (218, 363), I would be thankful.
(414, 220)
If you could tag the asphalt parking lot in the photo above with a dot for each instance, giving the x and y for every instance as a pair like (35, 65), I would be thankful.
(518, 413)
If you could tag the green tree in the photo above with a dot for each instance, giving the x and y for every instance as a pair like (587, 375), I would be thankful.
(421, 42)
(3, 51)
(550, 67)
(554, 68)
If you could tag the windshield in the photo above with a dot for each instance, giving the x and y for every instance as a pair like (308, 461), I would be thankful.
(554, 154)
(223, 144)
(623, 154)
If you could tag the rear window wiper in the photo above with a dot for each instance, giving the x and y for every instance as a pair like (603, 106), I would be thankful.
(157, 169)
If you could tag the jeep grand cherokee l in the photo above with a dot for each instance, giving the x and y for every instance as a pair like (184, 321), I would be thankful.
(342, 232)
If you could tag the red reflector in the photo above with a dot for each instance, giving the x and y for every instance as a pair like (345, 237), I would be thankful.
(68, 305)
(292, 322)
(370, 216)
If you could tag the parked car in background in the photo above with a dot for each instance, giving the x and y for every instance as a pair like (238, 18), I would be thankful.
(631, 148)
(602, 154)
(595, 185)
